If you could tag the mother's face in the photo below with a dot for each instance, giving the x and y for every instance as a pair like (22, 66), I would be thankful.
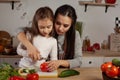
(62, 24)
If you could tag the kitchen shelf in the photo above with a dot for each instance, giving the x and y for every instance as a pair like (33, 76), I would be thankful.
(11, 1)
(86, 3)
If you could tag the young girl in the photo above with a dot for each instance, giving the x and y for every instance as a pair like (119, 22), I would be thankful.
(40, 35)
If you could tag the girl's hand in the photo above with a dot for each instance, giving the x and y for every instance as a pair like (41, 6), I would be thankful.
(33, 53)
(53, 65)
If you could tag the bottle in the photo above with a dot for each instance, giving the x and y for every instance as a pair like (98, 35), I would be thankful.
(84, 47)
(87, 41)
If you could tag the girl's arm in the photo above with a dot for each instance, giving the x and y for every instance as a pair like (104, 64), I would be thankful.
(32, 51)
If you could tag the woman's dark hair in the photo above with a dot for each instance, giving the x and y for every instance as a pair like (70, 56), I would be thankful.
(67, 10)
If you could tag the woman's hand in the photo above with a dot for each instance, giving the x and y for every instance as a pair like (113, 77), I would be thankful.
(53, 65)
(33, 53)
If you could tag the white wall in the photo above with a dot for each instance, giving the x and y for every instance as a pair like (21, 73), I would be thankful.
(97, 24)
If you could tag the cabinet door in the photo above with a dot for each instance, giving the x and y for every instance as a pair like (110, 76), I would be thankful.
(1, 60)
(92, 61)
(109, 59)
(13, 61)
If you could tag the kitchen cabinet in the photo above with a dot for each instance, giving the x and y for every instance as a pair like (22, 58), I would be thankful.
(92, 61)
(95, 59)
(86, 3)
(12, 61)
(108, 59)
(10, 1)
(1, 60)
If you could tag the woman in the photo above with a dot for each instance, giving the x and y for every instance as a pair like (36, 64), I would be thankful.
(69, 43)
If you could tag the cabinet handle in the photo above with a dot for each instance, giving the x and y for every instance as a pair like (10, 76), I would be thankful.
(16, 63)
(90, 62)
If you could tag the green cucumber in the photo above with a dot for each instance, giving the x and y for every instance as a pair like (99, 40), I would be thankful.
(116, 62)
(68, 72)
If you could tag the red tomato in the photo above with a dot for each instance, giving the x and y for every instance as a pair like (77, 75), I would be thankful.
(90, 48)
(16, 78)
(119, 71)
(112, 71)
(105, 66)
(96, 46)
(33, 76)
(44, 67)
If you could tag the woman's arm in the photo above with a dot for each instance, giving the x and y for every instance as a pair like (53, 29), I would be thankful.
(77, 61)
(72, 63)
(32, 51)
(21, 51)
(53, 53)
(55, 64)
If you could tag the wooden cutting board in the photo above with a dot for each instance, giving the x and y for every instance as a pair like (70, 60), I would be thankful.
(48, 74)
(41, 74)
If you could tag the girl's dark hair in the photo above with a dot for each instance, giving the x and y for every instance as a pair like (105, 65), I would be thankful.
(67, 10)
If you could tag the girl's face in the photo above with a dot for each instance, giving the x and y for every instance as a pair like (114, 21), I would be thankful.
(45, 27)
(62, 24)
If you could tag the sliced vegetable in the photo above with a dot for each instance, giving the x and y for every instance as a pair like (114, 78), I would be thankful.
(25, 71)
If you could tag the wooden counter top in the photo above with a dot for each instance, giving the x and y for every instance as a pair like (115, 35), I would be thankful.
(85, 74)
(99, 53)
(10, 56)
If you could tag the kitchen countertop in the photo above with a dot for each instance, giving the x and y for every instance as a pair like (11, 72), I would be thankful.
(98, 53)
(85, 74)
(10, 56)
